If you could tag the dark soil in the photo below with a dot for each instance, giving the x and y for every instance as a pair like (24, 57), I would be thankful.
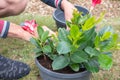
(46, 62)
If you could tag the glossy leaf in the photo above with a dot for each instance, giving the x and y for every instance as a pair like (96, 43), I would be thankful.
(68, 24)
(88, 35)
(105, 36)
(105, 45)
(40, 31)
(75, 32)
(89, 24)
(75, 35)
(97, 41)
(110, 44)
(76, 16)
(47, 49)
(79, 57)
(92, 66)
(64, 47)
(75, 67)
(62, 34)
(44, 36)
(105, 29)
(60, 62)
(83, 19)
(37, 52)
(92, 51)
(108, 54)
(105, 61)
(35, 42)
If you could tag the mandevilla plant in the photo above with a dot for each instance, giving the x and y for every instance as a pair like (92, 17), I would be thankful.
(80, 47)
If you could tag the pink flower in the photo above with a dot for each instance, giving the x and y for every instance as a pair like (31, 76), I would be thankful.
(95, 2)
(29, 26)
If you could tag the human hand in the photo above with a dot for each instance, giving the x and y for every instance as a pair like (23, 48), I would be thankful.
(17, 32)
(68, 10)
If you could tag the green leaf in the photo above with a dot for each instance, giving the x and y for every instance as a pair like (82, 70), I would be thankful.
(47, 49)
(37, 52)
(92, 21)
(82, 19)
(68, 23)
(105, 61)
(52, 56)
(64, 47)
(118, 46)
(105, 29)
(60, 62)
(92, 51)
(114, 38)
(88, 36)
(75, 67)
(44, 36)
(105, 46)
(40, 31)
(34, 42)
(89, 24)
(79, 57)
(62, 34)
(75, 32)
(76, 16)
(92, 66)
(108, 54)
(97, 41)
(114, 41)
(105, 36)
(109, 44)
(75, 35)
(51, 43)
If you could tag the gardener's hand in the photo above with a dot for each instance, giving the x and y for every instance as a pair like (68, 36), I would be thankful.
(68, 9)
(18, 32)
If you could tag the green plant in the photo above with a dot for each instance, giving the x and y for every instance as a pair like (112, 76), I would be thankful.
(80, 47)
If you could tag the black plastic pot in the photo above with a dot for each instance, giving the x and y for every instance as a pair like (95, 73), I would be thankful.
(59, 17)
(50, 75)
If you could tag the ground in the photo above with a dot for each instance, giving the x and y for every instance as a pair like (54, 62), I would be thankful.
(112, 7)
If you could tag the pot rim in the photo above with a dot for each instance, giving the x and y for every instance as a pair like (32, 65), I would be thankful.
(62, 12)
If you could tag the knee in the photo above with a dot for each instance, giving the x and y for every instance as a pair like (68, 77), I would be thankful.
(17, 6)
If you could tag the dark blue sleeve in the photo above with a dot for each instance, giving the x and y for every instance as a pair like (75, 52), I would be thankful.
(53, 3)
(49, 2)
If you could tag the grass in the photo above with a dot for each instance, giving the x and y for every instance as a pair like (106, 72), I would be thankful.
(22, 51)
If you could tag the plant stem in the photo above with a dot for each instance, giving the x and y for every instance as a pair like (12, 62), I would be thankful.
(45, 58)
